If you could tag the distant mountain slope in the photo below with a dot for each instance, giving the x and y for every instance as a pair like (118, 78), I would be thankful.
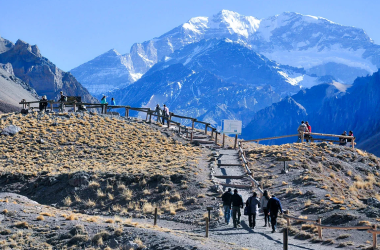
(41, 74)
(213, 80)
(338, 109)
(12, 91)
(316, 44)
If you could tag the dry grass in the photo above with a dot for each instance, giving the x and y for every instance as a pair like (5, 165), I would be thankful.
(93, 144)
(40, 217)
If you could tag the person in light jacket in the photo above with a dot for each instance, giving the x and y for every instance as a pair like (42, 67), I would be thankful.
(301, 129)
(253, 205)
(264, 206)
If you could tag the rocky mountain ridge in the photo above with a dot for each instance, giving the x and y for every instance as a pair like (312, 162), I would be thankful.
(320, 46)
(38, 72)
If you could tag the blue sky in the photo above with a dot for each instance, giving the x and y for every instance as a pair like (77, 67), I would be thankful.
(72, 32)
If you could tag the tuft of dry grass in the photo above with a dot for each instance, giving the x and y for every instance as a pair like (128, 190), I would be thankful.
(71, 217)
(40, 217)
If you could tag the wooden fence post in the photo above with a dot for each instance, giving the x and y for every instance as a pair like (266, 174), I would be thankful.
(206, 129)
(374, 236)
(224, 136)
(353, 143)
(170, 117)
(212, 133)
(236, 137)
(285, 238)
(207, 227)
(75, 107)
(147, 113)
(302, 137)
(51, 106)
(287, 219)
(150, 117)
(155, 216)
(320, 228)
(127, 112)
(216, 137)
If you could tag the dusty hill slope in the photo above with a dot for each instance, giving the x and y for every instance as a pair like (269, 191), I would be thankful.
(86, 164)
(12, 92)
(324, 180)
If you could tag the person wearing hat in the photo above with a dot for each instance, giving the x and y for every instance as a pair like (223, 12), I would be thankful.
(43, 103)
(253, 205)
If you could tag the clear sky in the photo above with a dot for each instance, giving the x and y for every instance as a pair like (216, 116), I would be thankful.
(72, 32)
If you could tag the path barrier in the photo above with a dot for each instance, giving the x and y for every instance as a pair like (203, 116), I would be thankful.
(318, 223)
(149, 113)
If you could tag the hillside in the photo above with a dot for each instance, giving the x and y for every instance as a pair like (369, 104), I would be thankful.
(13, 90)
(39, 73)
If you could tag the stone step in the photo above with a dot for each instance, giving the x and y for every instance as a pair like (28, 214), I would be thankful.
(229, 176)
(236, 186)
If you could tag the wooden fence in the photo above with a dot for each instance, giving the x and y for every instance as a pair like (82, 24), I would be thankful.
(149, 113)
(318, 223)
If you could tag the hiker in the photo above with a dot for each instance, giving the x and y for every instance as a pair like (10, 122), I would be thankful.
(226, 198)
(253, 205)
(113, 102)
(274, 205)
(301, 129)
(103, 100)
(237, 203)
(343, 141)
(350, 134)
(166, 115)
(308, 137)
(62, 99)
(43, 103)
(158, 111)
(264, 206)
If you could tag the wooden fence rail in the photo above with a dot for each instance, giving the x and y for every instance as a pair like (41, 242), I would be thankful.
(318, 223)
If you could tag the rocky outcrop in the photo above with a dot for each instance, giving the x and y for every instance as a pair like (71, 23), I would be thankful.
(41, 74)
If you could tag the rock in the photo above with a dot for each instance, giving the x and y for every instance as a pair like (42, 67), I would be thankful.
(114, 243)
(11, 130)
(40, 141)
(373, 202)
(322, 145)
(79, 179)
(130, 245)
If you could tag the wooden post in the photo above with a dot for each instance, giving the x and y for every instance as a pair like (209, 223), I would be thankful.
(216, 137)
(75, 107)
(212, 133)
(287, 219)
(147, 113)
(150, 117)
(105, 108)
(206, 129)
(353, 143)
(320, 228)
(170, 117)
(191, 136)
(127, 112)
(302, 137)
(179, 128)
(51, 106)
(155, 216)
(192, 125)
(374, 236)
(206, 227)
(285, 238)
(224, 136)
(236, 137)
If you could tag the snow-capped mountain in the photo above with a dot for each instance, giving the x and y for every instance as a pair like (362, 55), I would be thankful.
(212, 80)
(316, 44)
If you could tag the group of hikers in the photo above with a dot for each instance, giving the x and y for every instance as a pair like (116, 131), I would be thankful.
(270, 206)
(306, 128)
(104, 101)
(162, 113)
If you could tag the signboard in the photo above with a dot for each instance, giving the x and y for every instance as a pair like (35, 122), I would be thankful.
(231, 127)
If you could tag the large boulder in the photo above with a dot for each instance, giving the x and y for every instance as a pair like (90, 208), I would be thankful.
(79, 179)
(11, 130)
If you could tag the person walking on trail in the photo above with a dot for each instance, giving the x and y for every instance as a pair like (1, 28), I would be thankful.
(166, 115)
(343, 141)
(103, 100)
(158, 111)
(226, 198)
(274, 206)
(62, 99)
(301, 129)
(113, 102)
(264, 205)
(43, 103)
(308, 137)
(253, 205)
(237, 204)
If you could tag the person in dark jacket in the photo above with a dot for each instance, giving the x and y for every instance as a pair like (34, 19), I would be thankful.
(343, 141)
(226, 198)
(62, 99)
(350, 134)
(274, 206)
(237, 204)
(43, 103)
(253, 204)
(158, 111)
